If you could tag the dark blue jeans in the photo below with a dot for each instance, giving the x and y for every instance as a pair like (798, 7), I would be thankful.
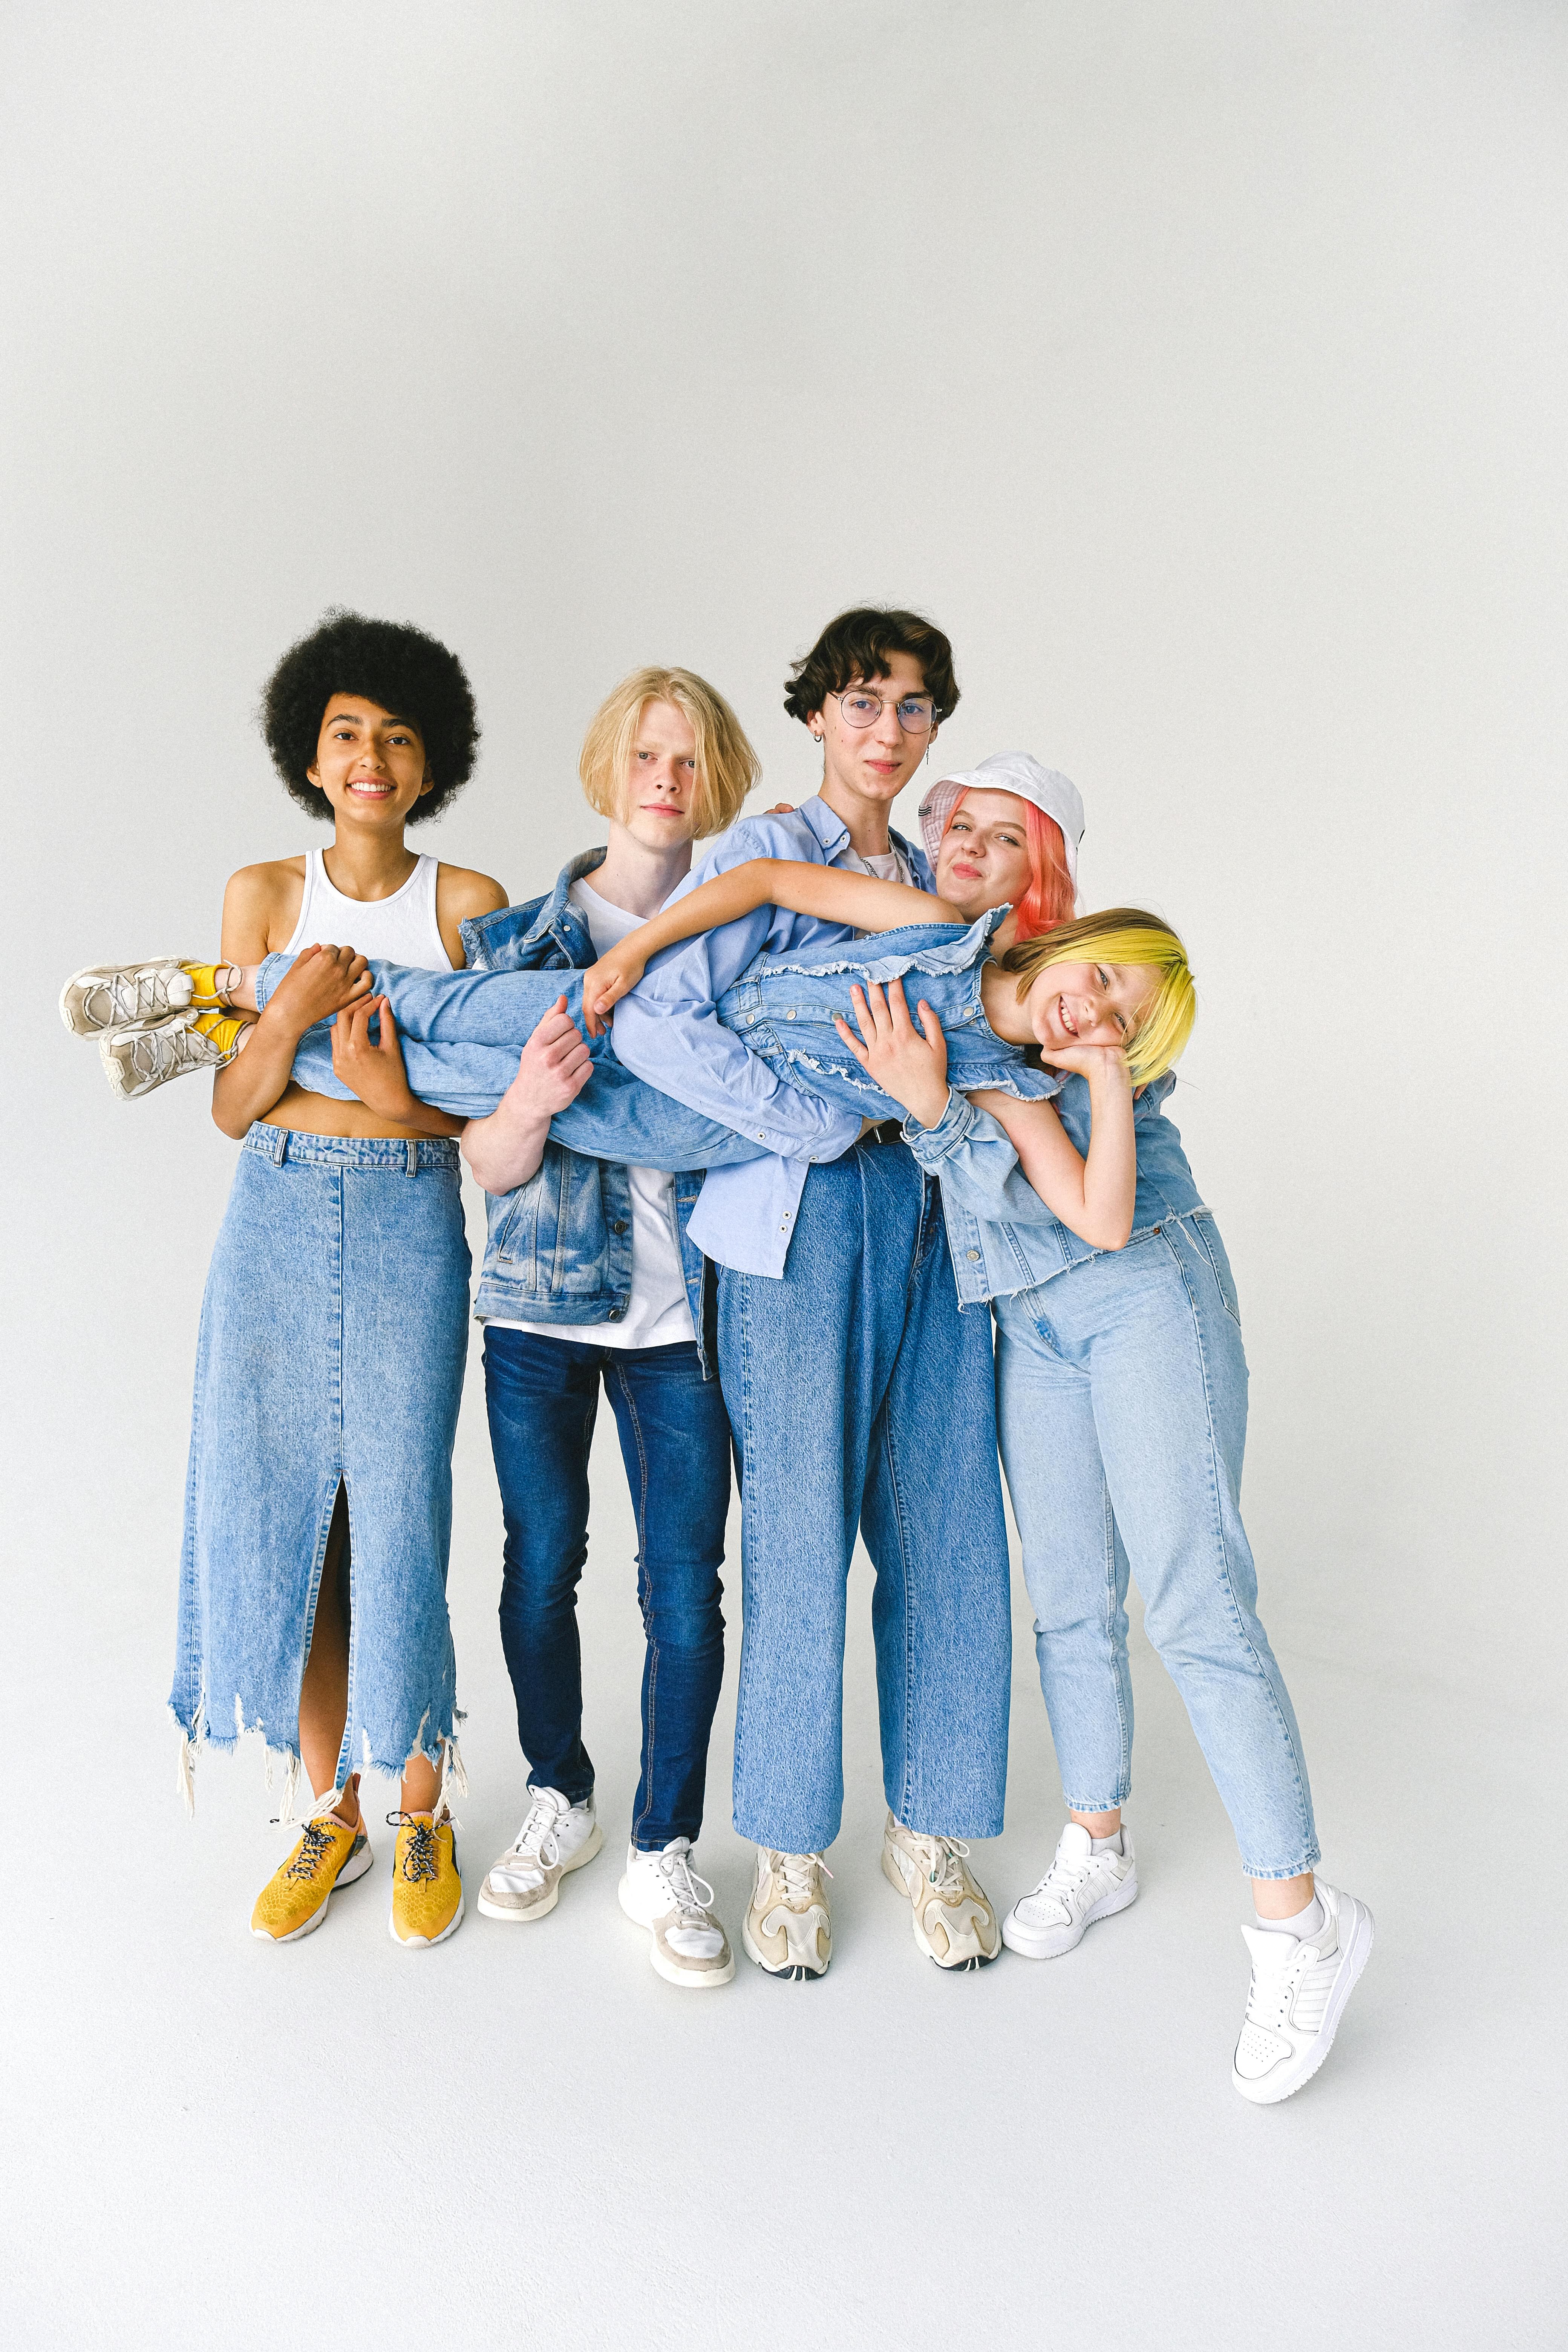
(542, 1396)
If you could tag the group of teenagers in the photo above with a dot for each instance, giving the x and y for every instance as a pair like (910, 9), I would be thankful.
(834, 1155)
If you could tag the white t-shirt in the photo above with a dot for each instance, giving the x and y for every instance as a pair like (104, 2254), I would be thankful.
(892, 866)
(659, 1311)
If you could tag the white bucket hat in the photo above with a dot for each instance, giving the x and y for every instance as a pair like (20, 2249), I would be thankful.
(1008, 771)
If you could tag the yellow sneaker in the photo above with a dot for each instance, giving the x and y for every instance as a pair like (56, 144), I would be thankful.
(294, 1900)
(426, 1892)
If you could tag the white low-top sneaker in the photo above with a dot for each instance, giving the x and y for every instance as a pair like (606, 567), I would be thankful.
(1297, 1997)
(556, 1837)
(949, 1911)
(1080, 1887)
(662, 1893)
(787, 1928)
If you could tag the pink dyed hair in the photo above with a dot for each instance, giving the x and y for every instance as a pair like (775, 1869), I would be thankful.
(1048, 900)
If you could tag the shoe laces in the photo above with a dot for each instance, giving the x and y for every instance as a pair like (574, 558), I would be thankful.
(315, 1842)
(795, 1871)
(537, 1837)
(160, 1046)
(948, 1856)
(1271, 1992)
(421, 1859)
(134, 997)
(684, 1882)
(1061, 1882)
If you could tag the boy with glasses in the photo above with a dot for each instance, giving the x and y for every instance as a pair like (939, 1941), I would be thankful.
(858, 1392)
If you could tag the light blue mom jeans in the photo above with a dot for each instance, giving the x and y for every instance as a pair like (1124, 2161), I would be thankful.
(1121, 1406)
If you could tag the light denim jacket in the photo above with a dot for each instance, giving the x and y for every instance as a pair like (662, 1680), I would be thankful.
(668, 1032)
(560, 1247)
(970, 1151)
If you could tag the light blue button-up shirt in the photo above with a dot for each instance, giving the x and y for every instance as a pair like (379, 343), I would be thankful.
(669, 1032)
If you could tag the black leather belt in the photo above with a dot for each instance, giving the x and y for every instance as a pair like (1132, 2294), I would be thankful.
(887, 1130)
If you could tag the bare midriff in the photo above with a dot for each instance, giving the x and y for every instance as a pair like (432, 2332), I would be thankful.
(303, 1113)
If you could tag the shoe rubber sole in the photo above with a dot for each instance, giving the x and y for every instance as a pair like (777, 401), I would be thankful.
(895, 1878)
(1268, 2093)
(1045, 1944)
(355, 1867)
(683, 1979)
(492, 1910)
(429, 1943)
(793, 1972)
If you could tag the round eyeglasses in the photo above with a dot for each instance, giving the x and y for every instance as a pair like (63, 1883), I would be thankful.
(860, 708)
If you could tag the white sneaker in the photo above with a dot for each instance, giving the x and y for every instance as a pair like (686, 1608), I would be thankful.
(556, 1837)
(787, 1930)
(950, 1912)
(662, 1893)
(1080, 1887)
(1297, 1997)
(124, 995)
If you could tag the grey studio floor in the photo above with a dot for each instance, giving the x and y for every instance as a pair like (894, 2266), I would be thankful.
(528, 2133)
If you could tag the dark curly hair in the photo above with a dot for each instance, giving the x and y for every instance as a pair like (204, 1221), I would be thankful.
(857, 643)
(390, 662)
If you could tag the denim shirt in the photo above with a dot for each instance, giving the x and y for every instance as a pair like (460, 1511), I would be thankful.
(994, 1255)
(560, 1247)
(669, 1032)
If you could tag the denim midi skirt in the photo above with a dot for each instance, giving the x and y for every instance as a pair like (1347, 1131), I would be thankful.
(333, 1339)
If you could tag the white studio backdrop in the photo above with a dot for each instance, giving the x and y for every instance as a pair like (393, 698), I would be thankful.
(1200, 369)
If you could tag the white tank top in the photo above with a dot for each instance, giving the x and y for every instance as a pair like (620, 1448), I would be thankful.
(400, 929)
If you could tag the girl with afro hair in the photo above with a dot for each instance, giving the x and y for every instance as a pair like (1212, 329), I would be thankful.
(333, 1334)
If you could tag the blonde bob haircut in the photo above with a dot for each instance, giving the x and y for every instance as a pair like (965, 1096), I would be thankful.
(726, 767)
(1123, 935)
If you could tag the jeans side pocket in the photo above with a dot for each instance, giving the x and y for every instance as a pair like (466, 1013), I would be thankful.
(1208, 1237)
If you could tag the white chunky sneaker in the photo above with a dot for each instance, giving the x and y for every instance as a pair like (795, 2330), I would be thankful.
(953, 1922)
(135, 1061)
(555, 1837)
(1080, 1887)
(1297, 1997)
(787, 1930)
(124, 995)
(662, 1893)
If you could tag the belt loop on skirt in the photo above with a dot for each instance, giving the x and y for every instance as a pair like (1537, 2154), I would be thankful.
(277, 1149)
(412, 1157)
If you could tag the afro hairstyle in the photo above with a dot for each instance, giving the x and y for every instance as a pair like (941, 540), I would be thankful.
(857, 643)
(390, 662)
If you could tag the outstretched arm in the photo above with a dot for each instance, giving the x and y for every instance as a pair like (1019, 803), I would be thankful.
(1093, 1196)
(859, 901)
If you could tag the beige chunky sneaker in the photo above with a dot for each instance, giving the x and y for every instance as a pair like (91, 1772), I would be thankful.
(554, 1838)
(137, 1060)
(953, 1922)
(787, 1930)
(662, 1893)
(126, 995)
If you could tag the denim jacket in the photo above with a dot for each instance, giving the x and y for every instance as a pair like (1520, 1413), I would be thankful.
(560, 1247)
(971, 1152)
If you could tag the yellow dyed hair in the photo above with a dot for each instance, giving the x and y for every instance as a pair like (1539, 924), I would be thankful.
(726, 767)
(1123, 935)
